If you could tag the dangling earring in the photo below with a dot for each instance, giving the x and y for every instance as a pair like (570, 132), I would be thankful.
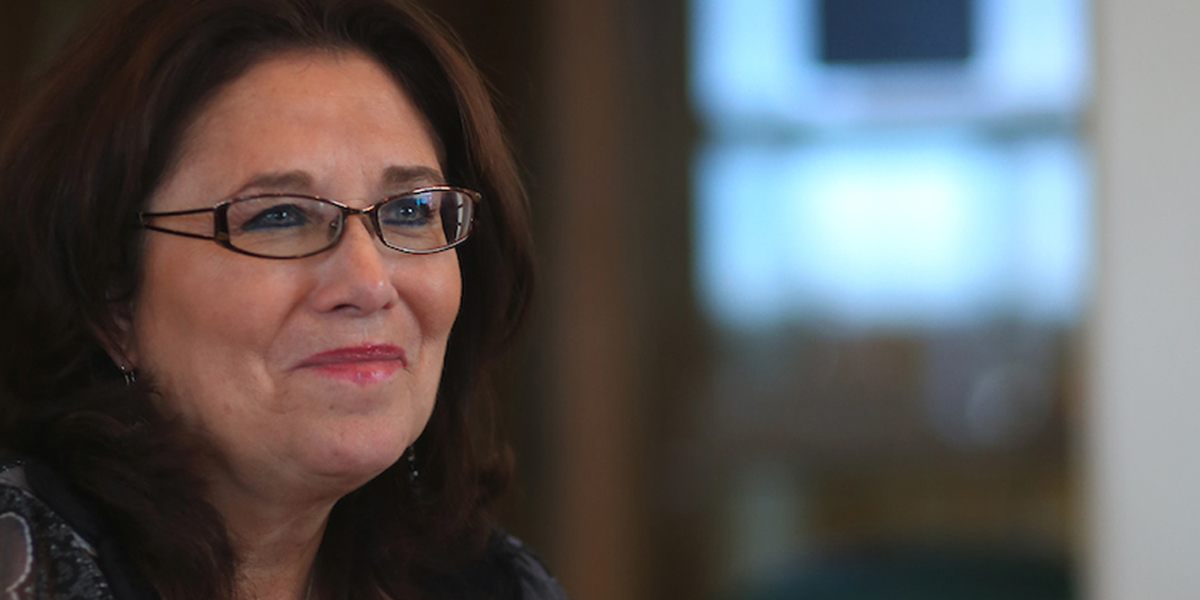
(129, 374)
(413, 473)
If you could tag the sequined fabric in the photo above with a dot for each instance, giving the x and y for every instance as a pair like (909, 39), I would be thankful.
(41, 557)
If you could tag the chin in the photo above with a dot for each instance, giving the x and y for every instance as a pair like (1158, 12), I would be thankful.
(355, 460)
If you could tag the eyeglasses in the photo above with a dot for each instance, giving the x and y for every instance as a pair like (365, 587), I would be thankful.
(423, 221)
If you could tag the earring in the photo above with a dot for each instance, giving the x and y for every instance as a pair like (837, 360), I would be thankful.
(129, 374)
(413, 473)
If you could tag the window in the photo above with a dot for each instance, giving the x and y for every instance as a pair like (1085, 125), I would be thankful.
(892, 242)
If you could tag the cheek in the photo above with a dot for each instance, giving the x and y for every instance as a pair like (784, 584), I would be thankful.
(450, 293)
(200, 314)
(435, 304)
(436, 300)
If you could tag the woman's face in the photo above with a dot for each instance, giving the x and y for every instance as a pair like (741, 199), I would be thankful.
(311, 373)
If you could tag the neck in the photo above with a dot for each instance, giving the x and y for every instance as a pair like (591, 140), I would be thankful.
(276, 545)
(275, 570)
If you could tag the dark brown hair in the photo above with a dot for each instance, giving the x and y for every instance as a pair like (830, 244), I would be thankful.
(93, 140)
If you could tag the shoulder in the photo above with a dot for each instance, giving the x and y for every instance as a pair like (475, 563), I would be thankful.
(42, 556)
(507, 570)
(527, 568)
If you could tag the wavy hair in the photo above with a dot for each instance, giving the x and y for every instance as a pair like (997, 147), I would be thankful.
(91, 142)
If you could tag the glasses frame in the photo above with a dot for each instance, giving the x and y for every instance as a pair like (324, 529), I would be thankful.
(371, 213)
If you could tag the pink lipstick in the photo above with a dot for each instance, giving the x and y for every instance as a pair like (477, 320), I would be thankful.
(363, 364)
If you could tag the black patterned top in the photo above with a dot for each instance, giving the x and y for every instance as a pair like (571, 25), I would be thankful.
(53, 547)
(41, 557)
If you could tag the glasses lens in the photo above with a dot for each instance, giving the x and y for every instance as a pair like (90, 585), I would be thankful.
(425, 221)
(282, 226)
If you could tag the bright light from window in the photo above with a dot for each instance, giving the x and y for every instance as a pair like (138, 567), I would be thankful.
(894, 231)
(756, 63)
(891, 194)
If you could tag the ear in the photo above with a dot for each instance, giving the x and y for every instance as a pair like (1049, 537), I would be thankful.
(116, 336)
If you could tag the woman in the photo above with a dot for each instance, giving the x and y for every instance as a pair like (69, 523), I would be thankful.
(257, 259)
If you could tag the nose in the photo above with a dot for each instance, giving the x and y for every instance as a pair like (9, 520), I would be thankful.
(353, 276)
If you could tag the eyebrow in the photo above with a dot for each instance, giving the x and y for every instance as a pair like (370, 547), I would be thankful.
(395, 178)
(409, 177)
(282, 181)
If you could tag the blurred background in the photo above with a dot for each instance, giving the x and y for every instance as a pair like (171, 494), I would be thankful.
(846, 299)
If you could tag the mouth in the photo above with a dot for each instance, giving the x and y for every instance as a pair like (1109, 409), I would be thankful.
(363, 364)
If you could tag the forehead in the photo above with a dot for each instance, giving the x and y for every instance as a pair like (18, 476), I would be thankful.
(332, 115)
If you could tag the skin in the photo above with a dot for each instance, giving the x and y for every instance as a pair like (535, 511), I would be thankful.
(225, 336)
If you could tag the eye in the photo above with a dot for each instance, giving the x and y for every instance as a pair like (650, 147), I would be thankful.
(408, 211)
(276, 216)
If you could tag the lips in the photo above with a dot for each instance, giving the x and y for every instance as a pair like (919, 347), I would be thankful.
(363, 364)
